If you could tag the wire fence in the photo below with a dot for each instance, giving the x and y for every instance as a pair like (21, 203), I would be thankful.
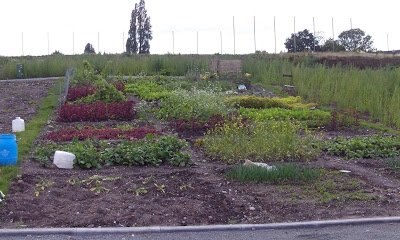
(69, 75)
(236, 36)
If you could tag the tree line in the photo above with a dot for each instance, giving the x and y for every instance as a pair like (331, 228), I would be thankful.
(353, 40)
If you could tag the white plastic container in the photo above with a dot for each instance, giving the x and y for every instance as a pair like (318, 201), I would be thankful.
(18, 125)
(64, 159)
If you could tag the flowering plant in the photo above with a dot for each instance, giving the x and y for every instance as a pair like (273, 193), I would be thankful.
(209, 76)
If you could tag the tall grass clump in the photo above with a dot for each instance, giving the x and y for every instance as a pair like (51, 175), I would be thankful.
(236, 141)
(289, 172)
(200, 104)
(374, 92)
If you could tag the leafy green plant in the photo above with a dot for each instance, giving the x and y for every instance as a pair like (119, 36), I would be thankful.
(87, 155)
(43, 153)
(363, 147)
(153, 149)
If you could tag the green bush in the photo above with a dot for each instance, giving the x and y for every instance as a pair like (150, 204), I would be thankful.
(84, 75)
(105, 92)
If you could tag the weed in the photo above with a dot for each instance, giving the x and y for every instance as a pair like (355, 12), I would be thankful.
(137, 190)
(185, 186)
(150, 179)
(42, 185)
(160, 187)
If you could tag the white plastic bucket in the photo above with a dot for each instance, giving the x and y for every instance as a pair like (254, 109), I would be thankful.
(18, 125)
(64, 159)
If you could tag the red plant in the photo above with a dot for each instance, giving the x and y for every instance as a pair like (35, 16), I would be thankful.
(77, 92)
(107, 133)
(97, 111)
(120, 86)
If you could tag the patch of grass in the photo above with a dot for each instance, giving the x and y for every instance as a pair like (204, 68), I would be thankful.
(394, 164)
(291, 172)
(27, 137)
(378, 127)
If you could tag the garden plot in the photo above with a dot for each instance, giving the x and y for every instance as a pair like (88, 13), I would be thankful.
(176, 159)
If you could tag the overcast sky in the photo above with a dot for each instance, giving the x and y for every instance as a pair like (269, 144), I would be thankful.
(39, 27)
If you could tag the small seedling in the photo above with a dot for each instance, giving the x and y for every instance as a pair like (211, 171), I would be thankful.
(160, 187)
(148, 179)
(41, 185)
(99, 187)
(137, 190)
(185, 186)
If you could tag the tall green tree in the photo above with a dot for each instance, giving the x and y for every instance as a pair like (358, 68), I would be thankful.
(139, 34)
(89, 48)
(355, 40)
(302, 41)
(331, 45)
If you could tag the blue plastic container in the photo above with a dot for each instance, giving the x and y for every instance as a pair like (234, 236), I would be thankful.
(8, 149)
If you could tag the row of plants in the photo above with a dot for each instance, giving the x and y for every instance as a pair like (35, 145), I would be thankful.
(69, 133)
(153, 149)
(97, 111)
(376, 146)
(93, 98)
(81, 91)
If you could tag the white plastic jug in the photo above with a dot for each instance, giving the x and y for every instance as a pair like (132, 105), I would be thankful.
(64, 159)
(18, 125)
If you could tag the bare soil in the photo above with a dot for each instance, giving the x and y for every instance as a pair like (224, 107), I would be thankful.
(196, 195)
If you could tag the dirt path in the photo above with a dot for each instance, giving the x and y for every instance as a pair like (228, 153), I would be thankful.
(21, 98)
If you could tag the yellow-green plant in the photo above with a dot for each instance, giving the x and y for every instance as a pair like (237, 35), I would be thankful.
(236, 141)
(196, 103)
